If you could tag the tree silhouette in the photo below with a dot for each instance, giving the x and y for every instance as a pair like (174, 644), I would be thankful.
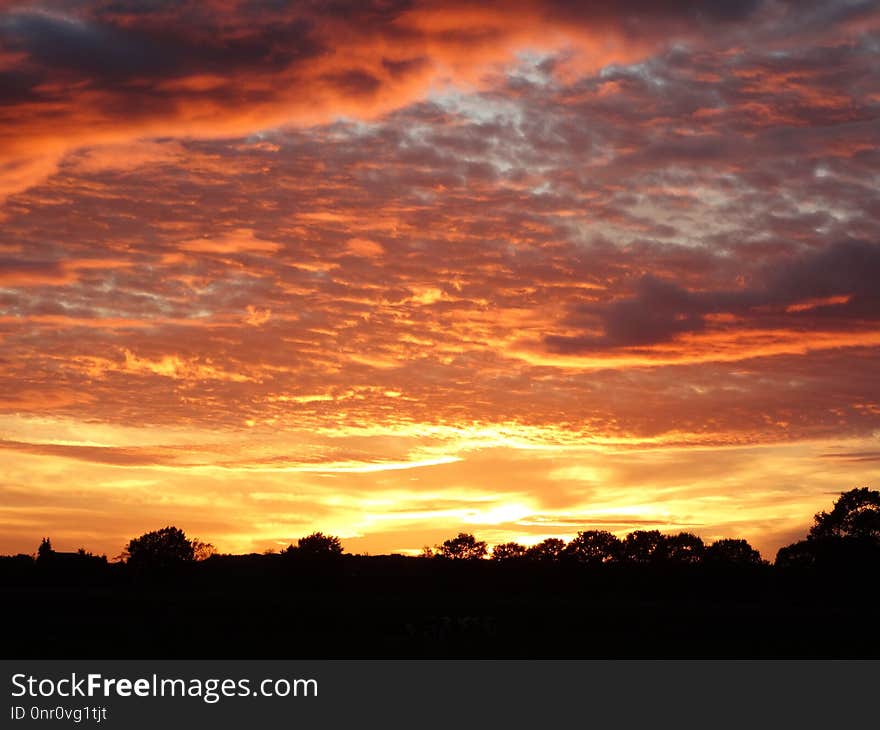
(856, 514)
(732, 552)
(846, 538)
(45, 551)
(508, 551)
(799, 554)
(202, 550)
(463, 547)
(594, 547)
(160, 549)
(317, 546)
(643, 547)
(546, 551)
(683, 549)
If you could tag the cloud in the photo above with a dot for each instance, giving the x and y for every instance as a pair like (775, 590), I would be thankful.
(238, 241)
(364, 247)
(127, 156)
(836, 282)
(94, 454)
(110, 74)
(15, 272)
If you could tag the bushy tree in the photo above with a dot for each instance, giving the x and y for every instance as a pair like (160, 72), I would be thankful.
(730, 551)
(801, 554)
(547, 551)
(160, 549)
(317, 546)
(508, 551)
(463, 547)
(855, 514)
(643, 547)
(684, 548)
(593, 547)
(847, 537)
(202, 550)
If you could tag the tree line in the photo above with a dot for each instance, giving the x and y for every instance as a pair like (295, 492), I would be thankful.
(850, 531)
(599, 547)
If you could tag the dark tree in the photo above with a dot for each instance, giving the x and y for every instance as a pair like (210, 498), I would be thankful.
(643, 547)
(856, 514)
(800, 554)
(845, 539)
(683, 549)
(318, 545)
(45, 551)
(202, 550)
(508, 551)
(594, 547)
(160, 549)
(732, 552)
(463, 547)
(547, 551)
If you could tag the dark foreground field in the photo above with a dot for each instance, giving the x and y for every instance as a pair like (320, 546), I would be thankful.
(390, 606)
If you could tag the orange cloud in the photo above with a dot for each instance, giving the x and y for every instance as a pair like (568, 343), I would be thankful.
(238, 241)
(153, 75)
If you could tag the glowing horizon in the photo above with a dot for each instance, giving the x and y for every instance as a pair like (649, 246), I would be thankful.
(394, 271)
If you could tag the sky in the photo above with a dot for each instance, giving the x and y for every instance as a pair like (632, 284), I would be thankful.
(398, 269)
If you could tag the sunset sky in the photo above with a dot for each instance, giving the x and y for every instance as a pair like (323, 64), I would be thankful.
(396, 269)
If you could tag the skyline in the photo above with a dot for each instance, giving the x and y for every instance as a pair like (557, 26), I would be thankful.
(398, 270)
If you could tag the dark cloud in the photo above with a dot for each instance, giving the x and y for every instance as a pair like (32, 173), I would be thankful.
(659, 310)
(355, 82)
(405, 66)
(848, 267)
(69, 45)
(19, 271)
(722, 10)
(103, 54)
